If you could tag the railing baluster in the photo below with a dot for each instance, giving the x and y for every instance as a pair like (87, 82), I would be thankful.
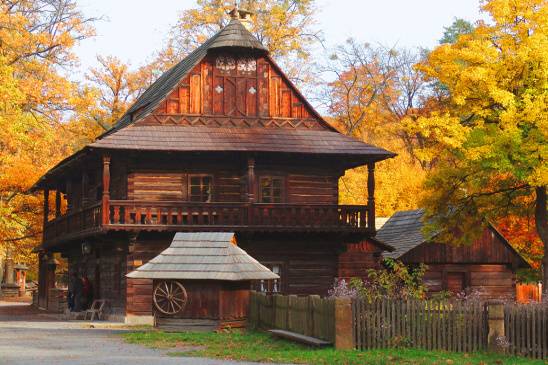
(116, 214)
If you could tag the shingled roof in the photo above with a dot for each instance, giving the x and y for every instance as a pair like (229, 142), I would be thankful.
(201, 139)
(203, 256)
(403, 231)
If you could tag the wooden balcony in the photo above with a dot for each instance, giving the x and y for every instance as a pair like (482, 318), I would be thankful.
(186, 216)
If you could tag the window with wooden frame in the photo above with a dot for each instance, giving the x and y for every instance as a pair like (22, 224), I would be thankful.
(271, 189)
(271, 286)
(200, 188)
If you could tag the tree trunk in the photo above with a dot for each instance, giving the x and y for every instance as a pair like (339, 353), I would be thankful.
(542, 229)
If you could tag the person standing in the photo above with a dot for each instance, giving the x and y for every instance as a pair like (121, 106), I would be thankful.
(76, 292)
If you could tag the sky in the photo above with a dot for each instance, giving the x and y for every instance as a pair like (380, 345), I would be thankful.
(133, 30)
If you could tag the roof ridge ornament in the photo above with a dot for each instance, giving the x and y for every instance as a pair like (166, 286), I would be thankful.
(244, 16)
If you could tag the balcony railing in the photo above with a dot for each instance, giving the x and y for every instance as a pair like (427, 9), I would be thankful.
(173, 216)
(74, 224)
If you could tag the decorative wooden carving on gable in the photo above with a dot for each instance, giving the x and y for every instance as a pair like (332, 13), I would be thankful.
(236, 86)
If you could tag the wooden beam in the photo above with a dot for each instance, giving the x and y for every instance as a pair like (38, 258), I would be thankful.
(84, 188)
(106, 189)
(57, 203)
(251, 180)
(70, 197)
(46, 212)
(371, 196)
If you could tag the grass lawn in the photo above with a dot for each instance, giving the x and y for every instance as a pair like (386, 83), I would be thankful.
(261, 347)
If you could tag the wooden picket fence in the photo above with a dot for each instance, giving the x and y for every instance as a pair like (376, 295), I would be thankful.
(427, 324)
(526, 329)
(310, 316)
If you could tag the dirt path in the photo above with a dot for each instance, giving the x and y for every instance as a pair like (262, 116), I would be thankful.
(30, 337)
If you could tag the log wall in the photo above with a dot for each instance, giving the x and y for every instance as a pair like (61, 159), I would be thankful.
(309, 265)
(491, 281)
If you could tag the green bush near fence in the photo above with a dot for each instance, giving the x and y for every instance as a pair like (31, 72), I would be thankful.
(261, 347)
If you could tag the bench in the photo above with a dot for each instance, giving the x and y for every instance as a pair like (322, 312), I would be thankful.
(96, 309)
(297, 337)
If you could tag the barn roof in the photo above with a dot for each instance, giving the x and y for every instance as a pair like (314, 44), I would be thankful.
(403, 231)
(203, 256)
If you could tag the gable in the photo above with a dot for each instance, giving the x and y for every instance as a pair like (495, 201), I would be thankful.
(489, 248)
(235, 87)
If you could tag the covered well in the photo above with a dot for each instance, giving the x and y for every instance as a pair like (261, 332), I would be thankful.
(203, 276)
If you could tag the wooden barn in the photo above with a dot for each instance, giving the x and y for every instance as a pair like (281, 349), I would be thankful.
(222, 142)
(487, 265)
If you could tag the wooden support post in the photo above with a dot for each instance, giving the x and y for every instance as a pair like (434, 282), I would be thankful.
(344, 339)
(106, 189)
(371, 196)
(70, 198)
(57, 203)
(84, 188)
(495, 322)
(251, 180)
(46, 208)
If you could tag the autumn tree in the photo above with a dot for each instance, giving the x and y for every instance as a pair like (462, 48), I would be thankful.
(371, 91)
(494, 156)
(285, 27)
(459, 27)
(37, 38)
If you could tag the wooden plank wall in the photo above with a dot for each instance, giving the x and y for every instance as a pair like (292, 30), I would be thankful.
(147, 180)
(139, 291)
(488, 249)
(203, 300)
(357, 259)
(492, 281)
(147, 185)
(312, 188)
(309, 265)
(238, 92)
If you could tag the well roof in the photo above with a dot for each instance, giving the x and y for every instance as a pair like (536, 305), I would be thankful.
(203, 256)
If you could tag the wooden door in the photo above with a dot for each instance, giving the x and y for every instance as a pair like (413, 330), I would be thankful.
(455, 282)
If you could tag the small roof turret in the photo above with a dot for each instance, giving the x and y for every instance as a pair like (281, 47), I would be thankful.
(235, 34)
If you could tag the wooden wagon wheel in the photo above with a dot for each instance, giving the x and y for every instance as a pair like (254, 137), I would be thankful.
(170, 297)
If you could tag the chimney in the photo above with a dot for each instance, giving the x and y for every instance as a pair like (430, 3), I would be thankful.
(244, 16)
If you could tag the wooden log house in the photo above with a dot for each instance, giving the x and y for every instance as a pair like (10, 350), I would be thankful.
(487, 266)
(223, 141)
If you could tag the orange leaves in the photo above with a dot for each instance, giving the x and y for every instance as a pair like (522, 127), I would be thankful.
(521, 233)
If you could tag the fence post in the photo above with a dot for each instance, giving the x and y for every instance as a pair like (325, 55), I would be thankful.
(495, 323)
(343, 324)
